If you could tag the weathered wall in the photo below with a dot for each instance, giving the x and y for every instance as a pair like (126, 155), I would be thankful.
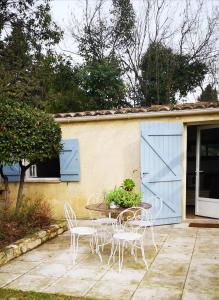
(109, 152)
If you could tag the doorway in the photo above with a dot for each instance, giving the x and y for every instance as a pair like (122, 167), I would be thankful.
(202, 180)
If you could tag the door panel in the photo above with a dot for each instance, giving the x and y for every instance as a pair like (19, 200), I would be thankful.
(161, 152)
(207, 172)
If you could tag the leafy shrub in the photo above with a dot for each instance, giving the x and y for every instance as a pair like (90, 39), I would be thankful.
(124, 197)
(33, 214)
(128, 184)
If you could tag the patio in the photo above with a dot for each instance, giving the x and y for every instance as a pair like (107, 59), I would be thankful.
(185, 267)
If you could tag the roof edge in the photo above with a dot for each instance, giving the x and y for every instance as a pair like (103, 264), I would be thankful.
(138, 115)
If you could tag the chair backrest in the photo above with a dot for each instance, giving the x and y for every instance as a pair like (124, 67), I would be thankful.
(131, 216)
(70, 215)
(157, 205)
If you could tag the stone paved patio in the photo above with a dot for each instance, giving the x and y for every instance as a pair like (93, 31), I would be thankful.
(185, 267)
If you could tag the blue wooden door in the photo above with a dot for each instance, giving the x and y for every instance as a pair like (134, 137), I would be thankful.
(161, 157)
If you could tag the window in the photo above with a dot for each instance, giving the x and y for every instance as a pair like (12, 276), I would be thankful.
(48, 169)
(66, 167)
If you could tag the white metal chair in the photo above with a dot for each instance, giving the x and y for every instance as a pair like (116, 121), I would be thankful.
(77, 231)
(97, 197)
(124, 235)
(102, 224)
(148, 218)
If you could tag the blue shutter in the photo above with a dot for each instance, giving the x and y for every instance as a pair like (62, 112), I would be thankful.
(161, 153)
(69, 161)
(12, 172)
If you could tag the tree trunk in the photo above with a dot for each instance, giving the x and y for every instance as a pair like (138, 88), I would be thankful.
(21, 187)
(5, 179)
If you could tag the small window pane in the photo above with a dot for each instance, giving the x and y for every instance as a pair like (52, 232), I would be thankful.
(50, 168)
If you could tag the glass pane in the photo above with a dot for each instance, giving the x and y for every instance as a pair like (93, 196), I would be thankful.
(209, 163)
(50, 168)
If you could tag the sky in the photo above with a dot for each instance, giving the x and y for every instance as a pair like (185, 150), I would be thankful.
(64, 10)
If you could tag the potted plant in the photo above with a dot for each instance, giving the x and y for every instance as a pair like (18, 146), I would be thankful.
(124, 196)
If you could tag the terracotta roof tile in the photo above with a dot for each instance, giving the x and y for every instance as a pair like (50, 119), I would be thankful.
(131, 110)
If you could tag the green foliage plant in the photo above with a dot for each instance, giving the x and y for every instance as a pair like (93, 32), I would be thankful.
(26, 134)
(128, 184)
(123, 197)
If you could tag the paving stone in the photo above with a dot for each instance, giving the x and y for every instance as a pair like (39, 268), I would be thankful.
(155, 293)
(170, 267)
(156, 278)
(18, 267)
(189, 295)
(37, 283)
(6, 278)
(70, 286)
(51, 269)
(36, 255)
(125, 276)
(203, 258)
(201, 282)
(205, 268)
(209, 249)
(65, 257)
(86, 272)
(180, 241)
(111, 290)
(174, 256)
(214, 232)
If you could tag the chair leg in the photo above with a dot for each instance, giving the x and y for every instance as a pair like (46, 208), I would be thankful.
(92, 243)
(135, 254)
(153, 239)
(114, 254)
(121, 255)
(112, 251)
(76, 239)
(98, 248)
(143, 255)
(73, 248)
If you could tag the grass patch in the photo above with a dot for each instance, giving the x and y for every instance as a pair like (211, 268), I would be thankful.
(9, 294)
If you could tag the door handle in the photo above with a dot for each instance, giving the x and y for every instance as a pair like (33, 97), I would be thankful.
(200, 171)
(145, 173)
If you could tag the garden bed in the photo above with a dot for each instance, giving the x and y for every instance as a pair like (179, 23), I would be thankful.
(30, 242)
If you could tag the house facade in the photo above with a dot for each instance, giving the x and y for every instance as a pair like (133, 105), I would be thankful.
(169, 151)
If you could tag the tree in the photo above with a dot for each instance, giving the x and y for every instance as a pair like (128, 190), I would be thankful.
(100, 37)
(208, 94)
(193, 37)
(63, 91)
(99, 41)
(27, 35)
(165, 73)
(26, 134)
(102, 83)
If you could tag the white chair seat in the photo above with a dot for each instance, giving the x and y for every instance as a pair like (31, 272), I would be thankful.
(128, 236)
(107, 221)
(83, 230)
